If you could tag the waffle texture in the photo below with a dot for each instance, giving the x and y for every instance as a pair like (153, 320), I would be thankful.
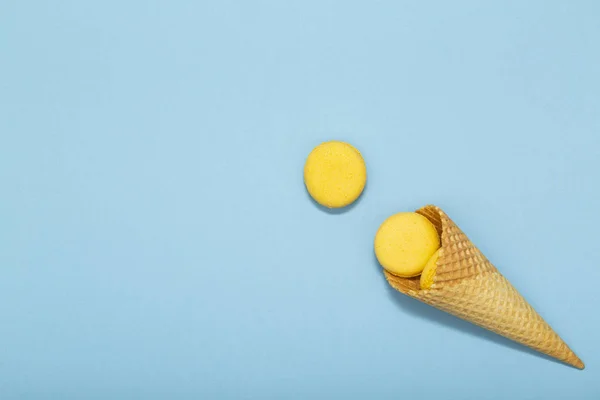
(468, 286)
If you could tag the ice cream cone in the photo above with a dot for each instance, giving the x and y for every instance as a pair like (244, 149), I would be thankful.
(468, 286)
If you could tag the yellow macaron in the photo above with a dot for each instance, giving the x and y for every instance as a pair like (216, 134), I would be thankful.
(429, 271)
(405, 242)
(335, 174)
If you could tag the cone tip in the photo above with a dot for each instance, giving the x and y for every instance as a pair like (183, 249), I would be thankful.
(576, 362)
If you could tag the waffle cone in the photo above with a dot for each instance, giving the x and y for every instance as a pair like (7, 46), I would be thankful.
(468, 286)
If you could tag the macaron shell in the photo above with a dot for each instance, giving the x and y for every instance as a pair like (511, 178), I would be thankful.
(335, 174)
(405, 242)
(429, 271)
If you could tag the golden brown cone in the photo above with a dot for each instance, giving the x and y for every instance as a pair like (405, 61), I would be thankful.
(468, 286)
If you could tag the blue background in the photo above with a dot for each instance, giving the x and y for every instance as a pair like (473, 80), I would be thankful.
(156, 238)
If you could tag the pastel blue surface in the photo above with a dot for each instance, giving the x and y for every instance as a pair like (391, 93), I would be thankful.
(156, 238)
